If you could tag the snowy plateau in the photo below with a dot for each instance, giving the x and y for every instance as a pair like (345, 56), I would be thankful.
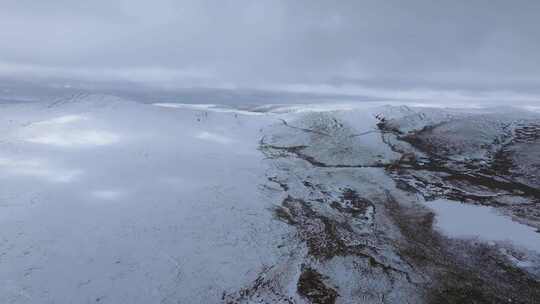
(104, 200)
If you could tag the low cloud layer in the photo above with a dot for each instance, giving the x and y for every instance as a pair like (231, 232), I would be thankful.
(412, 45)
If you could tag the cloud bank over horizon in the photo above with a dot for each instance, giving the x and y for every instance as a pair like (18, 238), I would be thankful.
(419, 47)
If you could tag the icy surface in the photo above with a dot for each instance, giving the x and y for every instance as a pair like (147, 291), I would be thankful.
(462, 220)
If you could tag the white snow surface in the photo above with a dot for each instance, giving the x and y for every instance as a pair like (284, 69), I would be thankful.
(129, 203)
(109, 201)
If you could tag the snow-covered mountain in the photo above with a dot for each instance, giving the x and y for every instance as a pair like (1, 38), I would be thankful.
(104, 200)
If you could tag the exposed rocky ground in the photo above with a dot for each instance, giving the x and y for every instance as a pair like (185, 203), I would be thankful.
(355, 207)
(488, 158)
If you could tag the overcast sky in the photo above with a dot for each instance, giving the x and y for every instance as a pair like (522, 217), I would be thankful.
(298, 44)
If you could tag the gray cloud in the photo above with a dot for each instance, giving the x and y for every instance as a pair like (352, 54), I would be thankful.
(478, 44)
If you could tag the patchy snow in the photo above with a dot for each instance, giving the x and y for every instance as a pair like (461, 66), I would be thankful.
(464, 220)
